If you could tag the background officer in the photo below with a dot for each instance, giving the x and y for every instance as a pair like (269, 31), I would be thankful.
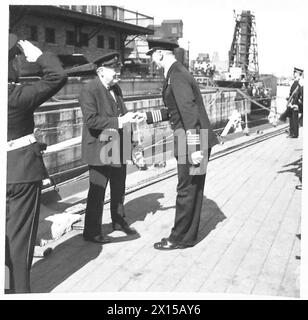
(295, 103)
(104, 118)
(25, 167)
(187, 114)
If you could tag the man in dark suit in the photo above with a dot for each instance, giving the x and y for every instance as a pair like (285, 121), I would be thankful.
(295, 103)
(188, 118)
(106, 133)
(25, 167)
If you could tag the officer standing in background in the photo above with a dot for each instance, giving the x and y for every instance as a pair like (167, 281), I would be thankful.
(104, 123)
(25, 166)
(295, 103)
(189, 120)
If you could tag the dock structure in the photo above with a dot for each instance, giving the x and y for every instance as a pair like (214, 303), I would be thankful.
(249, 237)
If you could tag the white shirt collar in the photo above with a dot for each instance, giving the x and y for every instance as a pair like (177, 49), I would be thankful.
(103, 82)
(167, 67)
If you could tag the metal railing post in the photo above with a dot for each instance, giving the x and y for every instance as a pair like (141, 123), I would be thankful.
(246, 130)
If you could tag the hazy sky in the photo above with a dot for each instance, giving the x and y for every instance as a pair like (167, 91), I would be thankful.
(281, 27)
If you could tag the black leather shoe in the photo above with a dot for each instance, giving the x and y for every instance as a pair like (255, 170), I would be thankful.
(97, 239)
(123, 225)
(126, 228)
(166, 244)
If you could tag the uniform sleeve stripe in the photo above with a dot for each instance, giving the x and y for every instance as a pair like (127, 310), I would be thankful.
(193, 144)
(156, 117)
(193, 139)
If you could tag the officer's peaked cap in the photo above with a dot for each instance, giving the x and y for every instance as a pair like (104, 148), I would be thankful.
(110, 60)
(298, 70)
(161, 44)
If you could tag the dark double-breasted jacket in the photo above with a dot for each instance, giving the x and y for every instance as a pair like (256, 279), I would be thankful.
(297, 94)
(26, 164)
(100, 120)
(185, 111)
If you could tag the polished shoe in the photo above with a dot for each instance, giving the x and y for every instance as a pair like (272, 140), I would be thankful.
(166, 244)
(97, 239)
(123, 226)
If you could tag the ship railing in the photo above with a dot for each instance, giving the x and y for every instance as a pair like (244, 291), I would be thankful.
(241, 107)
(163, 132)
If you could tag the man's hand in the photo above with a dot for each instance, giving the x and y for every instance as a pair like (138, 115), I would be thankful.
(140, 117)
(127, 118)
(196, 157)
(30, 51)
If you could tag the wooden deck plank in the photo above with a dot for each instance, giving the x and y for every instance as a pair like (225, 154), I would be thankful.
(141, 284)
(85, 284)
(236, 253)
(250, 216)
(229, 227)
(116, 255)
(273, 271)
(290, 285)
(246, 275)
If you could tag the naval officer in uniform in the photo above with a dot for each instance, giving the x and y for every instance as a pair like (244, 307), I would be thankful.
(25, 167)
(188, 118)
(295, 102)
(106, 122)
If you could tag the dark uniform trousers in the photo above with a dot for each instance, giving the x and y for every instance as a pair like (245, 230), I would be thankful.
(22, 217)
(296, 94)
(186, 113)
(189, 198)
(99, 177)
(294, 123)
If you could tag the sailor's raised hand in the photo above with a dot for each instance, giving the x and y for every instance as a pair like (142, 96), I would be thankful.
(30, 51)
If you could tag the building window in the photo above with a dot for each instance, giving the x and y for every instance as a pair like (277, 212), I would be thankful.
(111, 43)
(50, 36)
(100, 41)
(84, 9)
(33, 33)
(174, 30)
(70, 38)
(84, 40)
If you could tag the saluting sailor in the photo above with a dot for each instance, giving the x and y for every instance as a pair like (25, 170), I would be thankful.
(189, 120)
(25, 166)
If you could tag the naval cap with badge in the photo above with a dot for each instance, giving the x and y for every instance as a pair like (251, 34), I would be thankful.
(109, 60)
(300, 71)
(161, 44)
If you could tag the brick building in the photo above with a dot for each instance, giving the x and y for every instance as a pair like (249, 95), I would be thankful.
(87, 30)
